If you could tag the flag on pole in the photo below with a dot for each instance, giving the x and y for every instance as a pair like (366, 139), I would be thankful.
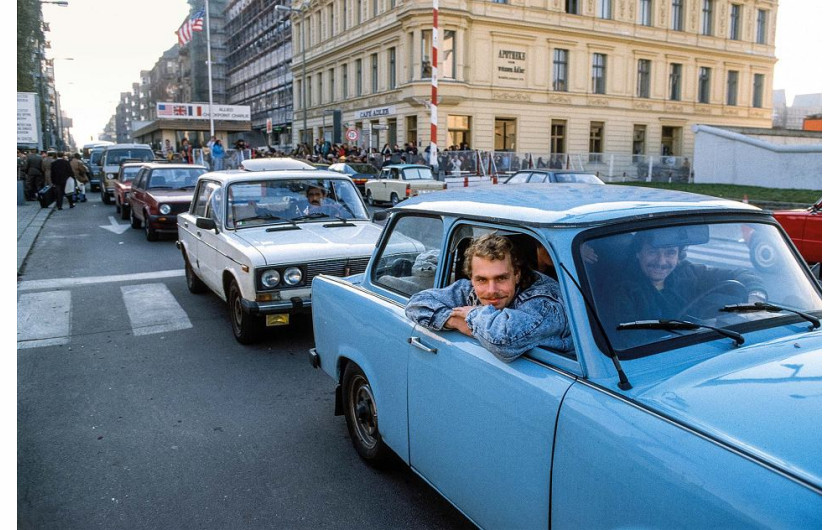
(193, 23)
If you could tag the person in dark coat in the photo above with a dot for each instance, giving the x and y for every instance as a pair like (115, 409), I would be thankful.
(61, 171)
(34, 175)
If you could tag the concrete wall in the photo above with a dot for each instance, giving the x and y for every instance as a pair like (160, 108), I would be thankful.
(726, 157)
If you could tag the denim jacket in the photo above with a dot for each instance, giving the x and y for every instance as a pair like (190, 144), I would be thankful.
(536, 316)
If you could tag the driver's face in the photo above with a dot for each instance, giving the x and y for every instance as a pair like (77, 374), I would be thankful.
(494, 281)
(658, 263)
(315, 197)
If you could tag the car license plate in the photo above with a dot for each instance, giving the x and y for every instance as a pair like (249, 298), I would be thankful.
(277, 320)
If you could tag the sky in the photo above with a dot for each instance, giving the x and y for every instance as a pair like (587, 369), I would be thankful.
(110, 41)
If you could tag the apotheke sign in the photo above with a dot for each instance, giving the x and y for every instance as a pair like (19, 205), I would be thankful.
(510, 65)
(376, 113)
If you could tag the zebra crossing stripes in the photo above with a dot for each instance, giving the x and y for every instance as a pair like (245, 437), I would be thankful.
(43, 319)
(153, 309)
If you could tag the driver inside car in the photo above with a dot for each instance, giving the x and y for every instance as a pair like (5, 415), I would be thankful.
(661, 283)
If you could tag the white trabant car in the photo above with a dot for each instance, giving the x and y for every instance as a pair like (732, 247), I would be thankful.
(399, 182)
(257, 239)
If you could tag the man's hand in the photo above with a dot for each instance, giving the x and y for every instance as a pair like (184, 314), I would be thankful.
(458, 320)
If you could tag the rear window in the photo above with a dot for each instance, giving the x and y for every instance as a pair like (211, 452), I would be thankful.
(117, 156)
(95, 157)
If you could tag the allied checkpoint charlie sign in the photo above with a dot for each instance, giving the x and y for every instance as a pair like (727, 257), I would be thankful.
(201, 111)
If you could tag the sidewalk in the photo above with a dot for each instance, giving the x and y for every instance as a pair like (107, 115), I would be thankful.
(30, 219)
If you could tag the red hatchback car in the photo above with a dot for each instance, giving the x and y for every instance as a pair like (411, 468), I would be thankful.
(122, 186)
(159, 193)
(805, 230)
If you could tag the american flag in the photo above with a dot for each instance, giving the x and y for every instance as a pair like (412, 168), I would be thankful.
(169, 109)
(193, 23)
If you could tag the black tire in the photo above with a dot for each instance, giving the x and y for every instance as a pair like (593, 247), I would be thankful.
(151, 233)
(194, 283)
(106, 199)
(118, 206)
(246, 328)
(369, 197)
(361, 415)
(124, 212)
(135, 222)
(395, 200)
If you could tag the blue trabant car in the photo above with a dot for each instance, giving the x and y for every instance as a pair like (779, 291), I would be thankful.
(708, 415)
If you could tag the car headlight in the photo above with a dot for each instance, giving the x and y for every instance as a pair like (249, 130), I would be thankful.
(111, 176)
(165, 209)
(292, 276)
(270, 278)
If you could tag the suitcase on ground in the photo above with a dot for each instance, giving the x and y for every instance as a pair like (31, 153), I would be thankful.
(46, 195)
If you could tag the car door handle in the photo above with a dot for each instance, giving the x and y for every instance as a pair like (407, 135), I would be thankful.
(415, 341)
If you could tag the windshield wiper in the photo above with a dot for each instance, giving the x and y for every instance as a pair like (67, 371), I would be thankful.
(773, 308)
(265, 217)
(677, 325)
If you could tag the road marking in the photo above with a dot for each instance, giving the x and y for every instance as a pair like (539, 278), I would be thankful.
(65, 283)
(43, 319)
(115, 227)
(153, 309)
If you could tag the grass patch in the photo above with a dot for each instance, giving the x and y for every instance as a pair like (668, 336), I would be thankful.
(735, 192)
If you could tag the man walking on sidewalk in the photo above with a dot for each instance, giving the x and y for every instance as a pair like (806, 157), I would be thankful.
(61, 172)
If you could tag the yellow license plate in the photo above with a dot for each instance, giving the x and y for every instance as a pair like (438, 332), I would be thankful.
(277, 320)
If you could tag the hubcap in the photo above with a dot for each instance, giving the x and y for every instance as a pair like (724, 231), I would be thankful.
(364, 417)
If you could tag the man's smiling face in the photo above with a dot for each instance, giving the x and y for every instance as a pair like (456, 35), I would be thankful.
(494, 281)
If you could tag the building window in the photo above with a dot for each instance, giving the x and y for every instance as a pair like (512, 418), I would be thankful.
(358, 77)
(346, 17)
(703, 83)
(331, 82)
(675, 82)
(596, 141)
(309, 91)
(359, 12)
(671, 141)
(375, 7)
(345, 85)
(643, 84)
(411, 129)
(605, 9)
(639, 135)
(560, 78)
(505, 134)
(645, 12)
(761, 27)
(732, 88)
(374, 73)
(707, 24)
(677, 15)
(558, 138)
(320, 92)
(599, 73)
(426, 54)
(735, 22)
(573, 7)
(758, 91)
(458, 131)
(331, 21)
(392, 68)
(447, 66)
(499, 1)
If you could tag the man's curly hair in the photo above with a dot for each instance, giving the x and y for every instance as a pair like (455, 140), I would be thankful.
(495, 247)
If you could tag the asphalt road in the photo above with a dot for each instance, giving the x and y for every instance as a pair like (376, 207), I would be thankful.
(138, 409)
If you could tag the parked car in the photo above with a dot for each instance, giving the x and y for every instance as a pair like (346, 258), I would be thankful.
(95, 168)
(533, 176)
(709, 418)
(159, 193)
(255, 240)
(122, 186)
(399, 182)
(113, 156)
(805, 230)
(358, 171)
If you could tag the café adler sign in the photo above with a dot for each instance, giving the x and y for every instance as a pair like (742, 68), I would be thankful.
(510, 65)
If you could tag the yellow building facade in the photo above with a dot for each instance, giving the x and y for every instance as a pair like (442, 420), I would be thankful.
(579, 77)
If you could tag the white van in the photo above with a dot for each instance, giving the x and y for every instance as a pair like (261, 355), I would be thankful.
(113, 157)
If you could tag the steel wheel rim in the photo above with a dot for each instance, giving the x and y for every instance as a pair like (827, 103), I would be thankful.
(237, 309)
(364, 412)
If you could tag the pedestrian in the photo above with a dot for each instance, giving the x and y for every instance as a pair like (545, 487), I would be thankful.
(46, 166)
(62, 172)
(80, 172)
(168, 150)
(186, 151)
(217, 154)
(34, 175)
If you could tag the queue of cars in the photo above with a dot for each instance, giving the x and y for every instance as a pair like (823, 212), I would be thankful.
(645, 423)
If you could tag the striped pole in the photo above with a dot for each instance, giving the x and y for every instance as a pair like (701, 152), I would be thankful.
(433, 158)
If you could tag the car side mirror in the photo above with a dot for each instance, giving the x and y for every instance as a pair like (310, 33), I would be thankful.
(381, 215)
(206, 223)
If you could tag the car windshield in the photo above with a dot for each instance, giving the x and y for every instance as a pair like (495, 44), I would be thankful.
(95, 156)
(277, 201)
(174, 178)
(418, 173)
(646, 285)
(116, 156)
(578, 178)
(366, 169)
(128, 173)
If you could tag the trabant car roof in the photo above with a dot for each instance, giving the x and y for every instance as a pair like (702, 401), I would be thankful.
(567, 203)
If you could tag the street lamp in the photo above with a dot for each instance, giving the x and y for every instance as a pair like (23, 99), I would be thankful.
(300, 11)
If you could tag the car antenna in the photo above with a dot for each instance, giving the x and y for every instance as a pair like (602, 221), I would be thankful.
(623, 382)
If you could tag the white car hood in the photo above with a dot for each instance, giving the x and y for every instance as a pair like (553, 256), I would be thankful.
(312, 241)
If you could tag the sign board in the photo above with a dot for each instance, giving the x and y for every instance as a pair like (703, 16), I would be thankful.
(27, 118)
(351, 135)
(376, 113)
(201, 111)
(510, 64)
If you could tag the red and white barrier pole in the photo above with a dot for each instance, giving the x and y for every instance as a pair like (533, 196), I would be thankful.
(433, 158)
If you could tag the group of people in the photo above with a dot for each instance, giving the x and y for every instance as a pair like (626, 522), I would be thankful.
(64, 171)
(510, 308)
